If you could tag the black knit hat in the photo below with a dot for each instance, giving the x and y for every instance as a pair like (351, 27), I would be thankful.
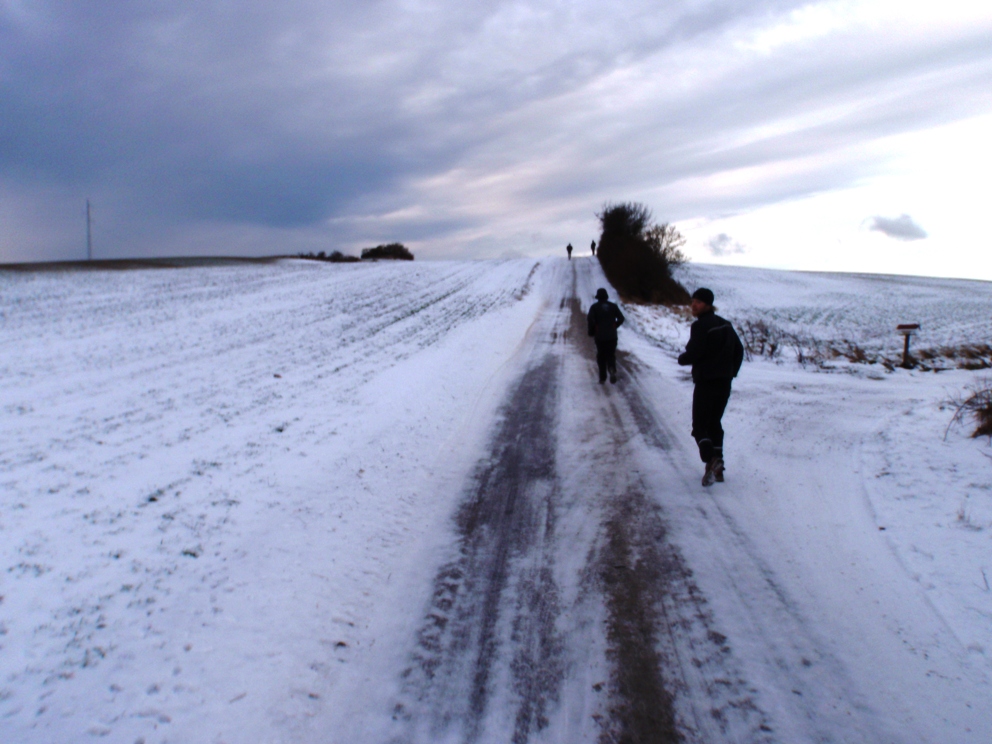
(703, 295)
(601, 294)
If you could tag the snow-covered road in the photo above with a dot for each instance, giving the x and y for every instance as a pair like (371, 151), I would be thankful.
(310, 502)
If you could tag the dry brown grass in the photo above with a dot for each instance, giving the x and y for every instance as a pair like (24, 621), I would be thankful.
(764, 339)
(975, 402)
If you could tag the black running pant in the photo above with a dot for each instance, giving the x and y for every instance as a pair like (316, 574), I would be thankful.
(606, 358)
(709, 400)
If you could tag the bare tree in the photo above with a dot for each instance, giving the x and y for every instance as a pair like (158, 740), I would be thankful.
(667, 242)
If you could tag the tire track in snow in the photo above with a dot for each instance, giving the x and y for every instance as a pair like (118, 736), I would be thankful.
(673, 676)
(491, 661)
(499, 592)
(801, 692)
(504, 651)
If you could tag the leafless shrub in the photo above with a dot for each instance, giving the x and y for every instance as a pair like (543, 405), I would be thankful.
(856, 353)
(761, 339)
(806, 353)
(666, 241)
(975, 402)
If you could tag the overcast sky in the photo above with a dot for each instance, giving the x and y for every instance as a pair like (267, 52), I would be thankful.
(849, 135)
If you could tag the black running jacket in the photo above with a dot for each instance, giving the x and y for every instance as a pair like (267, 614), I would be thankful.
(604, 319)
(714, 350)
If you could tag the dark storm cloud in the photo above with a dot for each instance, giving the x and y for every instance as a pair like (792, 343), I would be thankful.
(900, 228)
(182, 110)
(354, 120)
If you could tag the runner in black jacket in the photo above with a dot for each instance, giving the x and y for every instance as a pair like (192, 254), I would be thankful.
(715, 353)
(604, 319)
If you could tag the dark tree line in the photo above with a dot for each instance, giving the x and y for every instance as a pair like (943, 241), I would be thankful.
(390, 250)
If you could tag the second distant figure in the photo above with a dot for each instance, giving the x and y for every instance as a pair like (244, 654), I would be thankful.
(604, 319)
(569, 249)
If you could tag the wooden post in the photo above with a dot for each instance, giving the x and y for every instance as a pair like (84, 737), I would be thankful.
(907, 329)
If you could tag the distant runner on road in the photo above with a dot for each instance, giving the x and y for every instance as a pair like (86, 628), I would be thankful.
(715, 352)
(593, 248)
(604, 319)
(569, 249)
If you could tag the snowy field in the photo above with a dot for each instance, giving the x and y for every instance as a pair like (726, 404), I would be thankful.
(225, 493)
(864, 308)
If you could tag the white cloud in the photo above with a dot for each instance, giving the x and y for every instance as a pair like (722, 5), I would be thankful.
(724, 245)
(900, 228)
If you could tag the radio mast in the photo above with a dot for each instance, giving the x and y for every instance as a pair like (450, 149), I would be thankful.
(89, 234)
